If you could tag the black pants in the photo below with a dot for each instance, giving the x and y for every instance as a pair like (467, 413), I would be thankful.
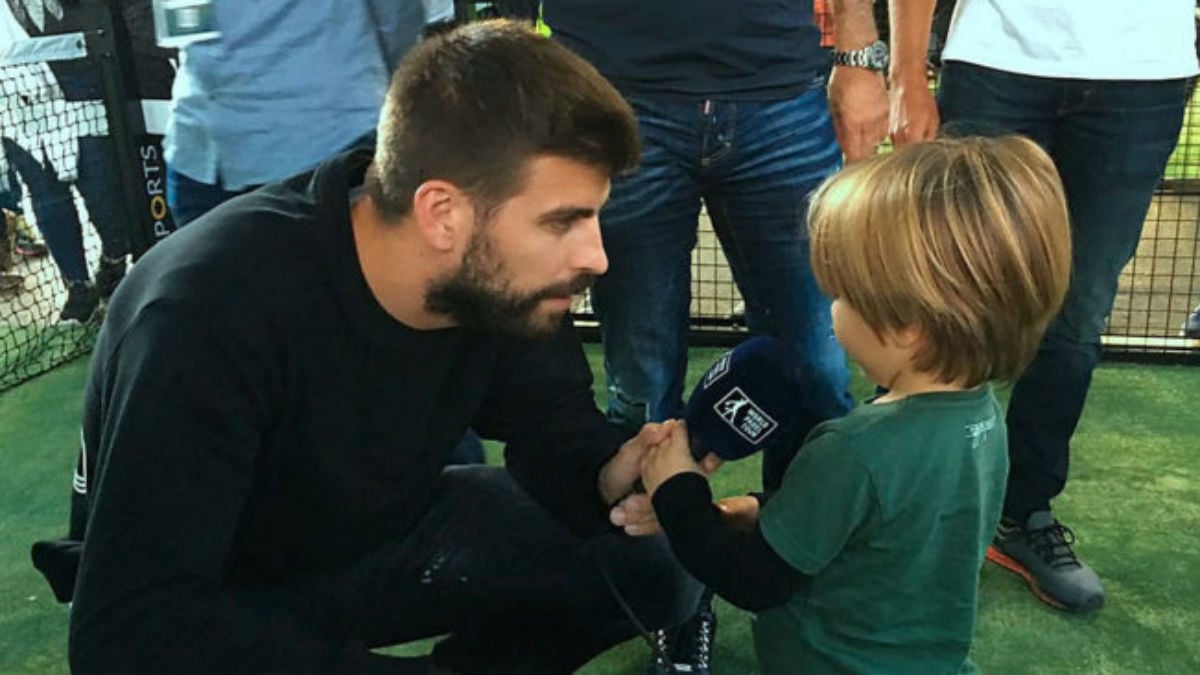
(515, 591)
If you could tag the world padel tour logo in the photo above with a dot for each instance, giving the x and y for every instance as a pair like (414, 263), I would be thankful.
(744, 415)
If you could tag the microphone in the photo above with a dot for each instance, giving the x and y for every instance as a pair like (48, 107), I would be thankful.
(749, 399)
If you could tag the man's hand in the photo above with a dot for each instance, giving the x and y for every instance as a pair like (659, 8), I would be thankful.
(914, 117)
(635, 515)
(618, 475)
(858, 102)
(740, 512)
(633, 512)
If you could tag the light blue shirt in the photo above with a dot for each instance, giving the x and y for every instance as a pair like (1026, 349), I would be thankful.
(286, 85)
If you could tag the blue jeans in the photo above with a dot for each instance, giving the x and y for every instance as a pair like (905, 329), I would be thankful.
(10, 197)
(1110, 141)
(189, 199)
(54, 207)
(754, 165)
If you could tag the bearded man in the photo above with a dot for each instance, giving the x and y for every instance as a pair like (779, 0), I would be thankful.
(277, 387)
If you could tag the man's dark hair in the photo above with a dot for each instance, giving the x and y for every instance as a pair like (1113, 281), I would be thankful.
(473, 105)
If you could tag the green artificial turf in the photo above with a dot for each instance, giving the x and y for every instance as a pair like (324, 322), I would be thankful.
(1134, 499)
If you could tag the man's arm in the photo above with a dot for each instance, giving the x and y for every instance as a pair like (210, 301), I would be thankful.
(914, 114)
(557, 441)
(179, 409)
(857, 96)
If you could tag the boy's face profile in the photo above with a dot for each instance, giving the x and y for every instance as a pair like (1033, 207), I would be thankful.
(882, 359)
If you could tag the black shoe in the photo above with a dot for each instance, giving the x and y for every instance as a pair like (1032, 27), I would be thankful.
(688, 649)
(110, 273)
(660, 659)
(29, 248)
(81, 304)
(11, 282)
(1191, 327)
(1040, 552)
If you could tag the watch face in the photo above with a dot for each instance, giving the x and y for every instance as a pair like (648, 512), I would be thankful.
(879, 56)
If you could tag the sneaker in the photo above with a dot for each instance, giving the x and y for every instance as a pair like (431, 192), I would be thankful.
(1041, 553)
(25, 242)
(29, 248)
(1191, 327)
(110, 273)
(81, 304)
(10, 282)
(689, 647)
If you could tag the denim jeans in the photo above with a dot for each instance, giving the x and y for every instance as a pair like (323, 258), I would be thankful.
(1110, 141)
(189, 199)
(10, 197)
(753, 164)
(54, 206)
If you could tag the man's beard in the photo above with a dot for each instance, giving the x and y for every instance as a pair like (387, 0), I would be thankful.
(477, 296)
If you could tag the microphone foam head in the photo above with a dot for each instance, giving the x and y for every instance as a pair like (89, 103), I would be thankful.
(746, 400)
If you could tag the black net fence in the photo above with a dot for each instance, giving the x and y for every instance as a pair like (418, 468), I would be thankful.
(1157, 309)
(66, 238)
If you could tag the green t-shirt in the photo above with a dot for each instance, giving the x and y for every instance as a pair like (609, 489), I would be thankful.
(890, 510)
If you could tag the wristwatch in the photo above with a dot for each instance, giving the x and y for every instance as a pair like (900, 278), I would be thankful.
(872, 57)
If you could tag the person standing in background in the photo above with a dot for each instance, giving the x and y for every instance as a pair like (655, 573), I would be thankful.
(734, 114)
(285, 85)
(1102, 87)
(59, 138)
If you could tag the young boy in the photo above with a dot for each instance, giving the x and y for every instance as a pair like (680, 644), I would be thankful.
(946, 261)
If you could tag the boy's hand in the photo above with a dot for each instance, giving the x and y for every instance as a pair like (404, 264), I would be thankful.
(619, 473)
(633, 512)
(741, 512)
(673, 456)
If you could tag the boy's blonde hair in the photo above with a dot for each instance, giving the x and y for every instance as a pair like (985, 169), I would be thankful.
(965, 239)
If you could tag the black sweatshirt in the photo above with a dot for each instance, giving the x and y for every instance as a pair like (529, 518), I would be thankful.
(254, 418)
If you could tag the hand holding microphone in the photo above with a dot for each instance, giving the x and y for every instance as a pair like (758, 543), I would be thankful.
(746, 401)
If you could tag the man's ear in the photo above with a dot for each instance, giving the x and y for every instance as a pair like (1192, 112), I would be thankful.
(441, 212)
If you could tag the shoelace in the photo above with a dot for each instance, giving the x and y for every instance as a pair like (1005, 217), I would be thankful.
(1053, 544)
(704, 641)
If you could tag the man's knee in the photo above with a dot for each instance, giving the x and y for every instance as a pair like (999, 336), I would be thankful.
(650, 578)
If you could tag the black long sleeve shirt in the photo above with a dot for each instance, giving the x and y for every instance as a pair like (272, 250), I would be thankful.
(739, 565)
(254, 418)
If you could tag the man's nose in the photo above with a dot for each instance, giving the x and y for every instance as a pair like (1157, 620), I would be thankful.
(589, 254)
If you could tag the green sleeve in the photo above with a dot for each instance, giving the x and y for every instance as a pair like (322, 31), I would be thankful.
(825, 497)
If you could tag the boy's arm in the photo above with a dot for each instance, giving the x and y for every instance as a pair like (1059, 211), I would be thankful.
(739, 565)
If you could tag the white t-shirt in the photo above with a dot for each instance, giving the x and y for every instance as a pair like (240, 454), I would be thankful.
(1085, 39)
(438, 10)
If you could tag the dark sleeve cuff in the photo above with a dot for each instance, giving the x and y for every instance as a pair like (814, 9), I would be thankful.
(762, 497)
(681, 497)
